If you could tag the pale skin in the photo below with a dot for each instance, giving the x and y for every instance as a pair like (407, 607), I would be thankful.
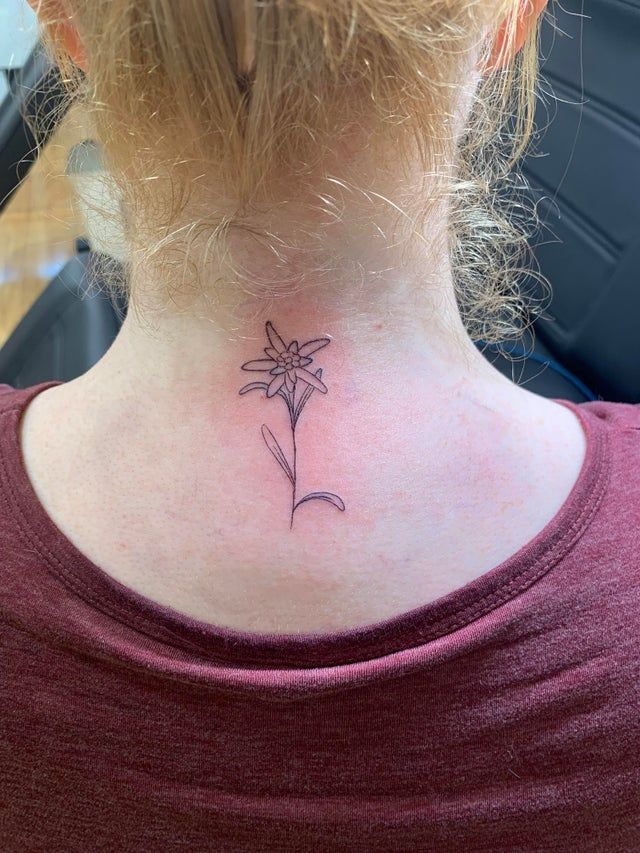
(153, 465)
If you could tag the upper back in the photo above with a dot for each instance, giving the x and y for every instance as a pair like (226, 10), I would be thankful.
(502, 716)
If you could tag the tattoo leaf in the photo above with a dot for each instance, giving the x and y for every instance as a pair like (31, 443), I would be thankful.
(252, 386)
(274, 447)
(323, 496)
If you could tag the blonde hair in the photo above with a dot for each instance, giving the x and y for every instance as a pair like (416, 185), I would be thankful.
(237, 93)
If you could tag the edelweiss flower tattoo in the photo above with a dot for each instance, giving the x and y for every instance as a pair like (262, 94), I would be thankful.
(289, 378)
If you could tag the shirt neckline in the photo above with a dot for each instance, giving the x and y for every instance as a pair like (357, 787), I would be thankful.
(435, 619)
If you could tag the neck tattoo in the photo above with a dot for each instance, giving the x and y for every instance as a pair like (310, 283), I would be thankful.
(289, 378)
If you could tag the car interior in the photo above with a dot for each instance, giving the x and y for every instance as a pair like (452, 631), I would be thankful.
(584, 177)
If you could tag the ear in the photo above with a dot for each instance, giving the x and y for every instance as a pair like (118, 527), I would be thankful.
(502, 53)
(54, 11)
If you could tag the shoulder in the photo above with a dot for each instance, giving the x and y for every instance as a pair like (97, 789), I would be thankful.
(12, 400)
(618, 415)
(619, 424)
(8, 394)
(16, 399)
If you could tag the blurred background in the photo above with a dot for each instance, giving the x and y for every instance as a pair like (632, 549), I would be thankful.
(584, 173)
(40, 224)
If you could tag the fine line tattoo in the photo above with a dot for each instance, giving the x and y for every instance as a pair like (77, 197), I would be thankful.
(289, 378)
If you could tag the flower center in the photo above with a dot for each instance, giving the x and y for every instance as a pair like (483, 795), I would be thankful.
(288, 360)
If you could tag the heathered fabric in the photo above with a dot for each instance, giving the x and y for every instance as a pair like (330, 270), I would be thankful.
(505, 716)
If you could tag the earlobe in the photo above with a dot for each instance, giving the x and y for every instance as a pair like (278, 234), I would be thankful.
(53, 11)
(503, 52)
(74, 46)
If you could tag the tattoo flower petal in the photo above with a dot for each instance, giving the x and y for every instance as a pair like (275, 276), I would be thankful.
(259, 364)
(274, 337)
(313, 346)
(306, 376)
(275, 385)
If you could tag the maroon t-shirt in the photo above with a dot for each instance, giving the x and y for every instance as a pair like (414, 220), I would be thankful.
(502, 717)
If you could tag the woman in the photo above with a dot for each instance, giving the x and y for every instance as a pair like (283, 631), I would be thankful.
(293, 567)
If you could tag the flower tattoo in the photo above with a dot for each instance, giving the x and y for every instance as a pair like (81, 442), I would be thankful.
(289, 378)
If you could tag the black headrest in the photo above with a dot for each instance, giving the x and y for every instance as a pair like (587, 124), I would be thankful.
(587, 175)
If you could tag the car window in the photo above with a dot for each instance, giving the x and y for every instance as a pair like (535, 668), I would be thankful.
(39, 224)
(18, 35)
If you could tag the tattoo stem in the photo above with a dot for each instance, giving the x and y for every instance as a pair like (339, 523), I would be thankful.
(293, 487)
